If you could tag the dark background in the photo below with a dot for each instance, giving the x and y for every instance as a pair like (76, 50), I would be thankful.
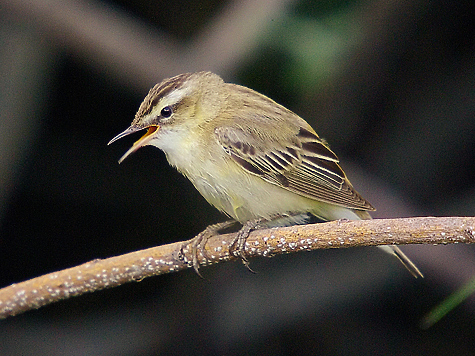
(389, 84)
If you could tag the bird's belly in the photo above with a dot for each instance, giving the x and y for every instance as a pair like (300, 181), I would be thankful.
(245, 196)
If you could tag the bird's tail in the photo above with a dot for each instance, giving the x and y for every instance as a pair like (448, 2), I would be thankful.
(394, 250)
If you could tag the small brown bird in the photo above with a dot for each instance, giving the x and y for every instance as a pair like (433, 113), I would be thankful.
(250, 157)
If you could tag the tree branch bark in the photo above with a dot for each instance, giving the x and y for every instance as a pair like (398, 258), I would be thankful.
(112, 272)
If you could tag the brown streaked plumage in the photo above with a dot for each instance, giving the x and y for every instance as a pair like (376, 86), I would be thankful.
(250, 157)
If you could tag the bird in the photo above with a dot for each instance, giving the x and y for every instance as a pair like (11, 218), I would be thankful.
(250, 157)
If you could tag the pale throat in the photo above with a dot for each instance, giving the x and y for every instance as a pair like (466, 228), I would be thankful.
(180, 149)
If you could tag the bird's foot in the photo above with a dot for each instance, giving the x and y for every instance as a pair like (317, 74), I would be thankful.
(198, 243)
(238, 247)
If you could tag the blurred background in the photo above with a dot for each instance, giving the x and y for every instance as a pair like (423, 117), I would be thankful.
(389, 84)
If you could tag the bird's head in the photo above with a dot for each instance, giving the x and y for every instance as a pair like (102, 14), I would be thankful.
(181, 103)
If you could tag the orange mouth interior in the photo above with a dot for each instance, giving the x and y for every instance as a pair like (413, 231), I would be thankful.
(150, 131)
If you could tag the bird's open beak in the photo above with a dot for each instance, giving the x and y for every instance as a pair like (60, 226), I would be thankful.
(143, 141)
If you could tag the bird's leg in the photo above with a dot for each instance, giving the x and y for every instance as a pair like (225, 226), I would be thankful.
(198, 243)
(237, 248)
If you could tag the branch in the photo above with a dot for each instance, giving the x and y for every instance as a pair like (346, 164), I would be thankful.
(135, 266)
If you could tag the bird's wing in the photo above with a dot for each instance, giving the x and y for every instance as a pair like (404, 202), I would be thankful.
(297, 160)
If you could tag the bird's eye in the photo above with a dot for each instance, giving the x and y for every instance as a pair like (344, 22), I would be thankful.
(166, 111)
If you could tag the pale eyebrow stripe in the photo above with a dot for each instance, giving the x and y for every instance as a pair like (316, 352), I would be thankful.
(159, 91)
